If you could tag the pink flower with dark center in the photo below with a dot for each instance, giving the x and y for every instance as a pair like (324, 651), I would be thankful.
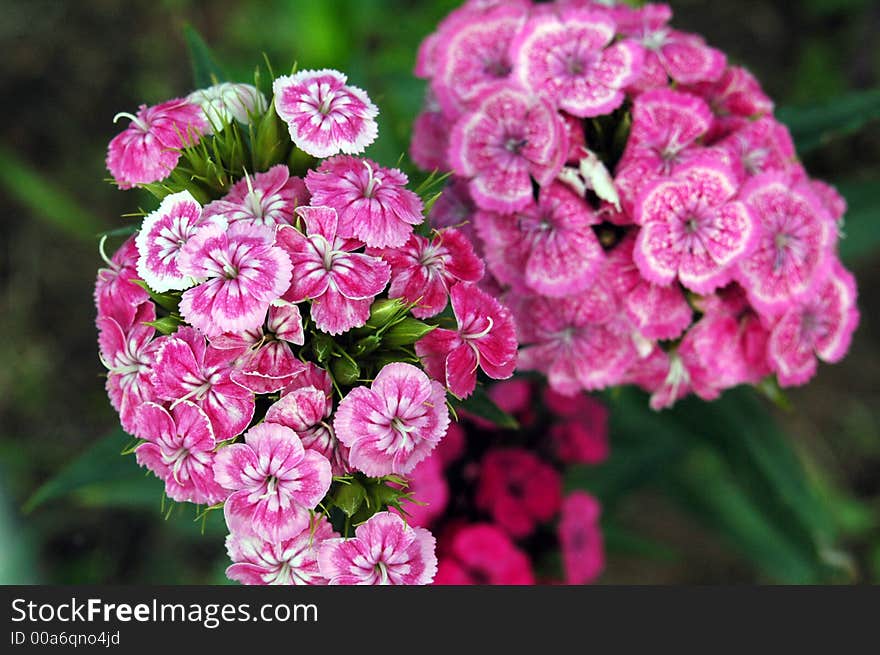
(180, 451)
(795, 236)
(582, 436)
(393, 424)
(340, 283)
(819, 326)
(692, 229)
(549, 247)
(187, 368)
(423, 270)
(508, 139)
(324, 114)
(761, 146)
(149, 148)
(518, 490)
(569, 58)
(580, 537)
(384, 551)
(116, 295)
(485, 338)
(265, 199)
(275, 482)
(294, 561)
(481, 554)
(428, 487)
(243, 273)
(372, 202)
(163, 235)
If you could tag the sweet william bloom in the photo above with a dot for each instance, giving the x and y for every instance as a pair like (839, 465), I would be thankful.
(582, 436)
(428, 487)
(324, 114)
(395, 423)
(384, 551)
(265, 199)
(372, 202)
(423, 270)
(760, 146)
(187, 368)
(180, 451)
(163, 235)
(580, 537)
(149, 148)
(341, 284)
(227, 101)
(482, 554)
(293, 561)
(568, 57)
(243, 273)
(485, 338)
(116, 295)
(509, 138)
(274, 481)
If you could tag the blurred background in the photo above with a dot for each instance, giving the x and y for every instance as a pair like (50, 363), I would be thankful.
(690, 513)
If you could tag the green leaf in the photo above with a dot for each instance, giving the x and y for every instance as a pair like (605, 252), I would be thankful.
(169, 301)
(480, 404)
(166, 324)
(206, 70)
(350, 497)
(816, 125)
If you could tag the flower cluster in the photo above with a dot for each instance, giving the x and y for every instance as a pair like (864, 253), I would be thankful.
(263, 328)
(635, 198)
(495, 496)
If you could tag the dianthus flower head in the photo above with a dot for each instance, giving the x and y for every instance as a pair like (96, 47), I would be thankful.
(481, 554)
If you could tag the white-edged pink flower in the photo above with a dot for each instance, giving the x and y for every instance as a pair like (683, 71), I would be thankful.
(180, 451)
(393, 424)
(293, 561)
(761, 146)
(372, 202)
(324, 114)
(275, 482)
(228, 101)
(341, 284)
(384, 551)
(116, 295)
(164, 232)
(243, 273)
(149, 148)
(188, 368)
(263, 199)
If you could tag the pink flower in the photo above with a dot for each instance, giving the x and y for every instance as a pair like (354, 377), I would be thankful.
(384, 551)
(692, 229)
(293, 561)
(568, 58)
(372, 202)
(265, 199)
(549, 246)
(795, 235)
(116, 295)
(395, 423)
(451, 447)
(180, 451)
(163, 235)
(428, 487)
(583, 554)
(582, 436)
(819, 326)
(485, 338)
(735, 94)
(430, 141)
(187, 368)
(341, 284)
(325, 116)
(423, 270)
(275, 482)
(760, 146)
(518, 490)
(243, 272)
(481, 554)
(508, 139)
(149, 148)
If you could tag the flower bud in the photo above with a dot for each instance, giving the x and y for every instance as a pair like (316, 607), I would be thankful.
(345, 371)
(406, 332)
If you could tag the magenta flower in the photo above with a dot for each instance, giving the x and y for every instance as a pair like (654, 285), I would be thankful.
(736, 95)
(481, 554)
(265, 199)
(116, 295)
(243, 273)
(692, 228)
(187, 368)
(582, 435)
(423, 270)
(324, 115)
(428, 487)
(485, 338)
(372, 202)
(384, 551)
(508, 139)
(580, 537)
(568, 58)
(393, 424)
(163, 235)
(149, 148)
(275, 482)
(293, 561)
(180, 451)
(761, 146)
(341, 284)
(429, 141)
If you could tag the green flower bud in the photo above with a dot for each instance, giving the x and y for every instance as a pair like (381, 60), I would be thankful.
(350, 497)
(345, 371)
(406, 332)
(366, 345)
(322, 347)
